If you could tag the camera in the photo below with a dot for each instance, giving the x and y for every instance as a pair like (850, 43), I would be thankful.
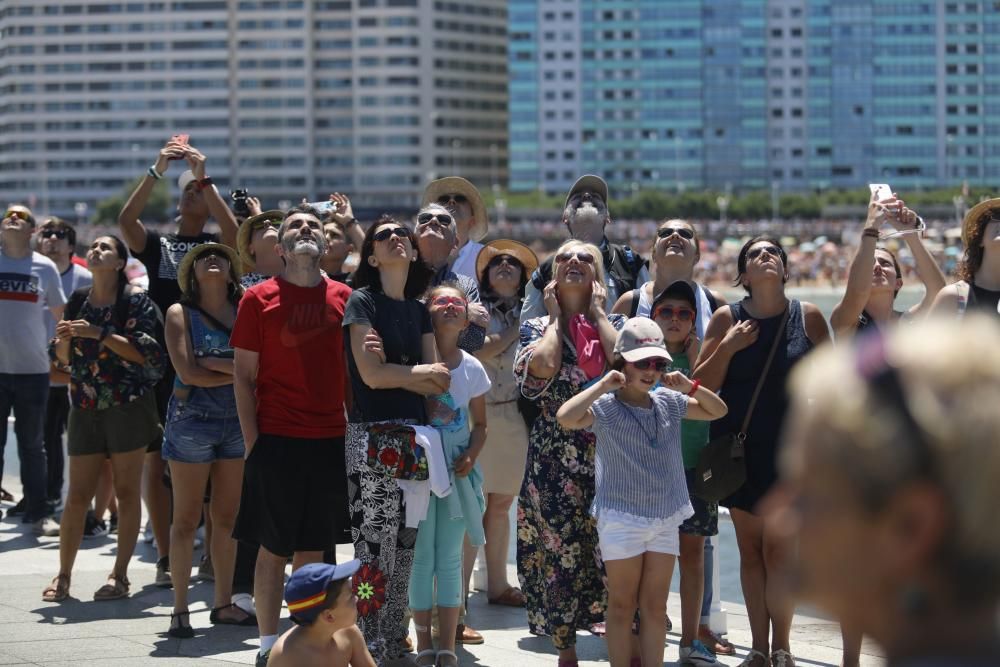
(240, 206)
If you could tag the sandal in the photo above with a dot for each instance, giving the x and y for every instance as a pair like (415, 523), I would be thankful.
(715, 642)
(180, 631)
(248, 620)
(115, 591)
(452, 662)
(429, 653)
(753, 655)
(512, 597)
(782, 658)
(599, 629)
(58, 590)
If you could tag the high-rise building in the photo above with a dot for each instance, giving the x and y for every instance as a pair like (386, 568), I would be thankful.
(288, 98)
(786, 94)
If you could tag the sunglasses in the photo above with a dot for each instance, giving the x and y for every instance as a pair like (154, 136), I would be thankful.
(659, 365)
(54, 233)
(442, 219)
(20, 215)
(769, 249)
(583, 257)
(458, 199)
(212, 253)
(683, 232)
(505, 259)
(669, 312)
(445, 301)
(385, 234)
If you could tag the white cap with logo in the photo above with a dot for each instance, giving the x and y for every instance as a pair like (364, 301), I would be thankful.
(639, 339)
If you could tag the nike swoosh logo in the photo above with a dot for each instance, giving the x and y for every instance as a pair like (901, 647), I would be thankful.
(291, 338)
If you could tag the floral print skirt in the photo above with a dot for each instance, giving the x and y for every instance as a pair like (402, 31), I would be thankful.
(558, 560)
(383, 544)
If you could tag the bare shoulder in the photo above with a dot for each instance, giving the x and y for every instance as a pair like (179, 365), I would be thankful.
(720, 300)
(623, 306)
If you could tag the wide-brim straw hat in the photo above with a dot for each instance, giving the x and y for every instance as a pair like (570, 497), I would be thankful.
(458, 185)
(245, 233)
(975, 214)
(184, 270)
(515, 249)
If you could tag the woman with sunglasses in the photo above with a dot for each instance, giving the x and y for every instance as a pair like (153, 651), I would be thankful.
(503, 268)
(257, 242)
(561, 354)
(202, 439)
(106, 342)
(892, 447)
(870, 293)
(641, 496)
(737, 345)
(392, 365)
(978, 286)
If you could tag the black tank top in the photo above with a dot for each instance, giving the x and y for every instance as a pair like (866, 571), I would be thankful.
(984, 300)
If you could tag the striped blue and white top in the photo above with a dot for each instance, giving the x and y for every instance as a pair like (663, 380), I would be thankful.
(639, 467)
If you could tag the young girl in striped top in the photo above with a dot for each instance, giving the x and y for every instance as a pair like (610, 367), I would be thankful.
(641, 496)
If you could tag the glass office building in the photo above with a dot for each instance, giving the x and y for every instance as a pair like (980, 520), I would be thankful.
(751, 94)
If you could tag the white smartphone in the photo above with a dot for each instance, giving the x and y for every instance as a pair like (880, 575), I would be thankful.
(324, 206)
(881, 191)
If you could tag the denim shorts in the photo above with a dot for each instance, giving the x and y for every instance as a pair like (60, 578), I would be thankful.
(198, 432)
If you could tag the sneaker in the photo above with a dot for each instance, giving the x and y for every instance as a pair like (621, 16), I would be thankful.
(245, 602)
(147, 533)
(46, 527)
(163, 573)
(262, 657)
(113, 524)
(94, 527)
(18, 509)
(205, 570)
(697, 654)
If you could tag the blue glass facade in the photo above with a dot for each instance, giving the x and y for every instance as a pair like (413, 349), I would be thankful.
(754, 93)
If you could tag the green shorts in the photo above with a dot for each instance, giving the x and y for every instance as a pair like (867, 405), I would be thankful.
(116, 430)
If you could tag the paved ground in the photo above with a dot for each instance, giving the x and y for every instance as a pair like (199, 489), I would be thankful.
(133, 632)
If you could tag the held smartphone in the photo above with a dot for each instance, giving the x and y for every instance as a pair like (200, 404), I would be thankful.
(325, 207)
(881, 191)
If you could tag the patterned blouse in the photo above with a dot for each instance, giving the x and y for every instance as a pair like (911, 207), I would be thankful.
(99, 378)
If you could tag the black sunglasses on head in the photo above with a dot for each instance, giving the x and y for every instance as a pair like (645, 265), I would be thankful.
(385, 234)
(683, 232)
(54, 233)
(443, 219)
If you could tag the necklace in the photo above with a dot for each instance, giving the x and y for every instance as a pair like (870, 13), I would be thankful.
(655, 437)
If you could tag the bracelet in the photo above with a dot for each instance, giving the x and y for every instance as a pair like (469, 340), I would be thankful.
(352, 221)
(204, 183)
(153, 173)
(870, 233)
(695, 385)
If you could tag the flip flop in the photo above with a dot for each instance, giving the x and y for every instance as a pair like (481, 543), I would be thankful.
(512, 597)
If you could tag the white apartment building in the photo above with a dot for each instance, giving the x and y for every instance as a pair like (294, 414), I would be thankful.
(287, 98)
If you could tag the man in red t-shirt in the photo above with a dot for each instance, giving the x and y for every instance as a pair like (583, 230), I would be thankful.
(288, 378)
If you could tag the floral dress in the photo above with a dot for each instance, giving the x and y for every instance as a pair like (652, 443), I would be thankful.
(558, 561)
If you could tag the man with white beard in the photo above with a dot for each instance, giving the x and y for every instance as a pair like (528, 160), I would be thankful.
(289, 355)
(585, 216)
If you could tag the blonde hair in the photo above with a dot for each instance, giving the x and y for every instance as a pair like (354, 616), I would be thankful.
(589, 247)
(942, 426)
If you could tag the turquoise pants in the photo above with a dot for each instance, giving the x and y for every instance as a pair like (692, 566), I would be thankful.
(437, 556)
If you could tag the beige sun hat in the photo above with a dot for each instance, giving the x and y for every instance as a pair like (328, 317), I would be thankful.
(516, 249)
(184, 270)
(460, 186)
(975, 214)
(245, 233)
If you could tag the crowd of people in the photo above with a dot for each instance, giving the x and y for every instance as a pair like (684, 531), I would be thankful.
(289, 405)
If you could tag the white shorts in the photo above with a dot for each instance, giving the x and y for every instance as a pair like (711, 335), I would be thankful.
(623, 537)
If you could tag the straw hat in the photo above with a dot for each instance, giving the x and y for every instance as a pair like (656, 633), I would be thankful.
(975, 214)
(460, 186)
(245, 233)
(515, 249)
(184, 270)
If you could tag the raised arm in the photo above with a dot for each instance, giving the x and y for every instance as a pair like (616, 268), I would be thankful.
(844, 318)
(928, 271)
(703, 404)
(576, 412)
(213, 200)
(131, 228)
(182, 356)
